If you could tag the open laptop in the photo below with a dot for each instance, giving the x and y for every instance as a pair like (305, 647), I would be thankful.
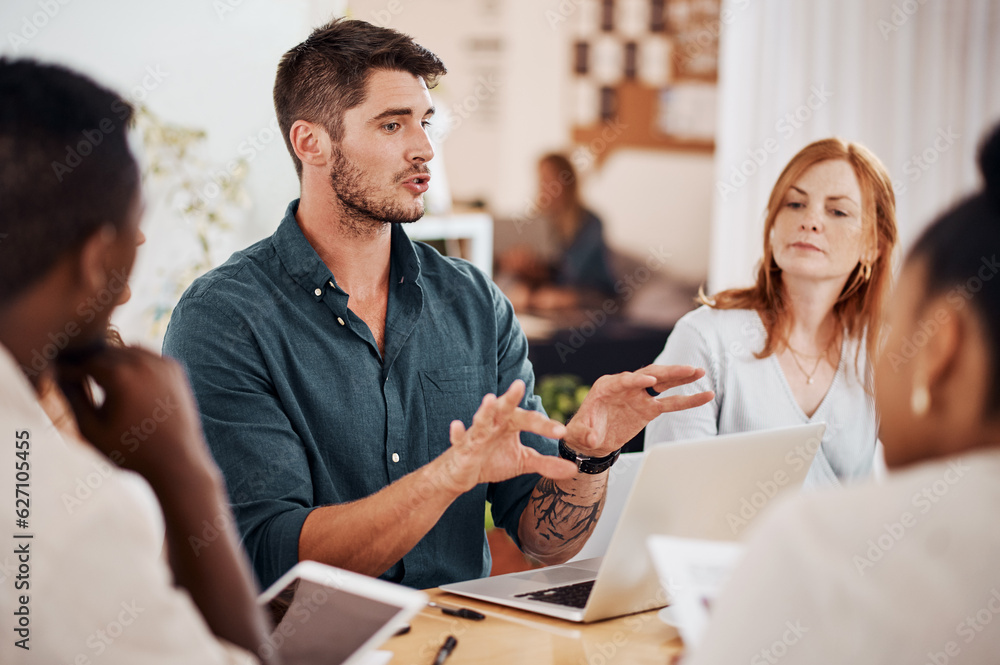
(704, 488)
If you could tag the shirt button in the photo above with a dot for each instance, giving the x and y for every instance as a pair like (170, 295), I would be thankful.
(395, 457)
(340, 321)
(318, 292)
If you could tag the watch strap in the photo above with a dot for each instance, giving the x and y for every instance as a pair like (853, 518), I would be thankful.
(585, 464)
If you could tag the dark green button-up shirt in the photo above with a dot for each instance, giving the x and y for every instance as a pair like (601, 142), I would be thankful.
(301, 411)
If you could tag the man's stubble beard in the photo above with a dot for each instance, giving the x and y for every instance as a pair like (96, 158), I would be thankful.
(363, 214)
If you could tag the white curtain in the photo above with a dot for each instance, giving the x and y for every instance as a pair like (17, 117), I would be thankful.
(917, 81)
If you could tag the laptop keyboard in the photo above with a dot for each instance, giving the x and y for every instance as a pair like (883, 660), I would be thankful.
(571, 595)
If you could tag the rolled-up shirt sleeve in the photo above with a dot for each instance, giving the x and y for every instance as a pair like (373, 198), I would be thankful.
(264, 462)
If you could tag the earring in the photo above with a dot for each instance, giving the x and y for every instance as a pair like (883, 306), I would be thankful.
(920, 400)
(866, 271)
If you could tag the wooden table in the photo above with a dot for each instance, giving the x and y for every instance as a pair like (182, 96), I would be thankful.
(513, 637)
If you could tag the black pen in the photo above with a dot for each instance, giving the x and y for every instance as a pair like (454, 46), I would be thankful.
(445, 650)
(461, 612)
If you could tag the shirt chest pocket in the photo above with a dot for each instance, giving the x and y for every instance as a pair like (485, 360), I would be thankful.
(452, 393)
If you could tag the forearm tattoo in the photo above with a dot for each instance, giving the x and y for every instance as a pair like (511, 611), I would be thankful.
(561, 516)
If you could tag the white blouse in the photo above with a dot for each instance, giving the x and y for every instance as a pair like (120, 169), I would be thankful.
(753, 394)
(94, 583)
(899, 572)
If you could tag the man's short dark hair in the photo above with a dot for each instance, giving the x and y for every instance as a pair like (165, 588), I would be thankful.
(325, 76)
(65, 167)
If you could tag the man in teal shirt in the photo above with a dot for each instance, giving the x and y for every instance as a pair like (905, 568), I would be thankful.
(347, 375)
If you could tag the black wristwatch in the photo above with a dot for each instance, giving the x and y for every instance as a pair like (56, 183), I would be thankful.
(584, 464)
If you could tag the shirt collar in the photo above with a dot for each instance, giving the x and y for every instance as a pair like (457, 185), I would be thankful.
(307, 268)
(403, 256)
(17, 394)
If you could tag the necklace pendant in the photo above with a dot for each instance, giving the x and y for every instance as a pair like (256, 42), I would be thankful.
(809, 380)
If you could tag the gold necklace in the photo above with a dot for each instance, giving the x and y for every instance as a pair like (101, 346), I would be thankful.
(808, 375)
(819, 360)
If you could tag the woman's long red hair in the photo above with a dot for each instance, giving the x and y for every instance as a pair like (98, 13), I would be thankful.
(859, 308)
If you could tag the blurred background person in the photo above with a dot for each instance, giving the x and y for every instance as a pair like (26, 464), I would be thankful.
(575, 266)
(794, 348)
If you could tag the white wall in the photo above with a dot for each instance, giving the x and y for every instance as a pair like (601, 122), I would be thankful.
(649, 198)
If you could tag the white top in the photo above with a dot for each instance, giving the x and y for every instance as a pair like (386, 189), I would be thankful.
(900, 572)
(753, 394)
(97, 588)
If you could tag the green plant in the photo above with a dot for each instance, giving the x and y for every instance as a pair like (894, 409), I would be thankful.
(562, 395)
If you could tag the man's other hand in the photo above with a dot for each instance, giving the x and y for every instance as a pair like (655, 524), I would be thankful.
(618, 406)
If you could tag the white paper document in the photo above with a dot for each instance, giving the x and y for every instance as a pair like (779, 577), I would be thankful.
(692, 572)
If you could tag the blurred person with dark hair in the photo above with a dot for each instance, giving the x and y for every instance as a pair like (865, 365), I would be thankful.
(576, 267)
(904, 571)
(86, 575)
(347, 376)
(797, 347)
(52, 399)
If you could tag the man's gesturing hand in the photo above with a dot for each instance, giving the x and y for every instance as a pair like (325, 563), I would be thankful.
(619, 406)
(491, 449)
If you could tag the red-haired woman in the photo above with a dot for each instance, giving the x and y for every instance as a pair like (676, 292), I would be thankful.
(796, 347)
